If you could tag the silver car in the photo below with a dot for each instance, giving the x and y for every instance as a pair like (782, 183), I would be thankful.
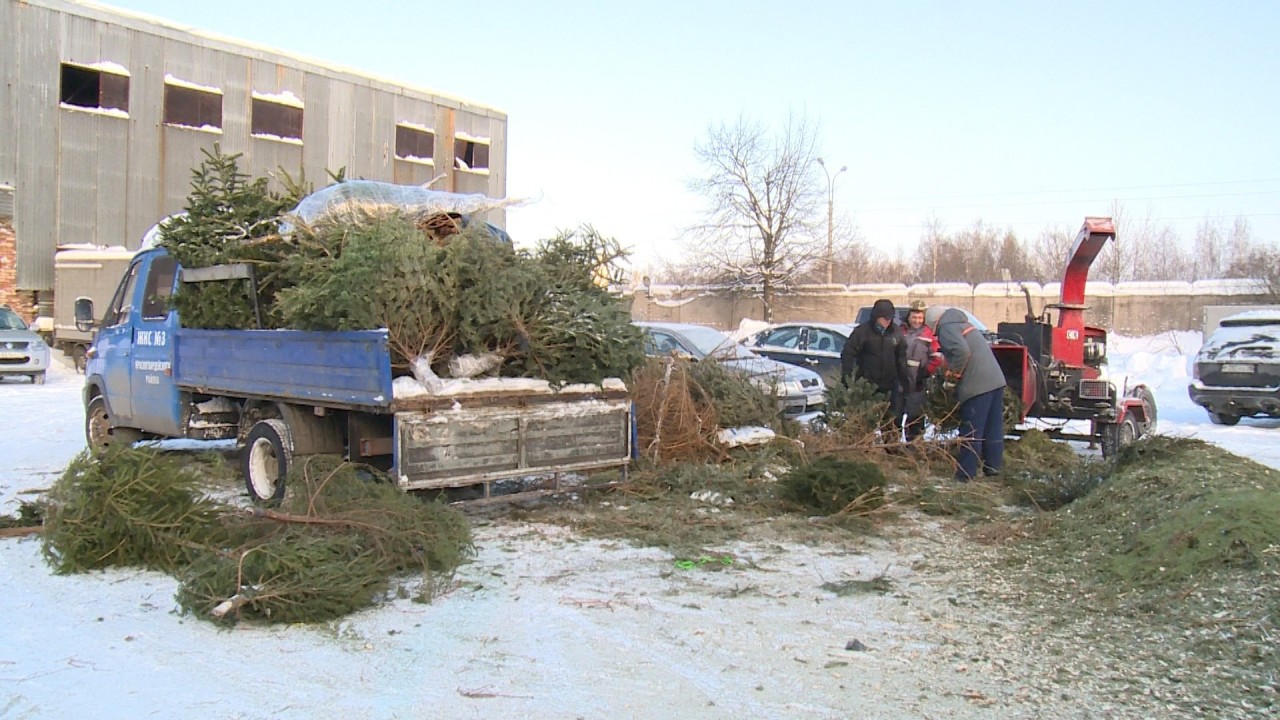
(801, 392)
(22, 352)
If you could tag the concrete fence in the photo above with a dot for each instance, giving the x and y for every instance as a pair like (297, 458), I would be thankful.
(1129, 308)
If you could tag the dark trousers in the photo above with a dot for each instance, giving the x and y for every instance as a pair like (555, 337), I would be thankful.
(981, 434)
(914, 409)
(894, 414)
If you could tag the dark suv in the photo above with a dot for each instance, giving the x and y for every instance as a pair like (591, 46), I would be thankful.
(1237, 371)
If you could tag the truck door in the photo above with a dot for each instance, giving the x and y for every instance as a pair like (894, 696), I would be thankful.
(114, 348)
(155, 405)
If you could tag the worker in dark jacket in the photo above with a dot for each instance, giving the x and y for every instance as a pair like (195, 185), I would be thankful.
(877, 351)
(979, 384)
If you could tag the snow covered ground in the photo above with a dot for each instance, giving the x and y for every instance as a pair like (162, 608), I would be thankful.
(516, 639)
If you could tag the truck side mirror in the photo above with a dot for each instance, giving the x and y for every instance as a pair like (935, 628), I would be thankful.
(84, 314)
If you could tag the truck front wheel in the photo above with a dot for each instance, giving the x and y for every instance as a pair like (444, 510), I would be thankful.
(99, 434)
(267, 457)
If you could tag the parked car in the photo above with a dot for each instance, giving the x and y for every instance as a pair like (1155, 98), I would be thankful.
(815, 346)
(22, 351)
(801, 392)
(1237, 371)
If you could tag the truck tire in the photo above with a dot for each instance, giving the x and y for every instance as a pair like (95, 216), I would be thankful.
(265, 462)
(98, 433)
(1117, 435)
(38, 378)
(1223, 418)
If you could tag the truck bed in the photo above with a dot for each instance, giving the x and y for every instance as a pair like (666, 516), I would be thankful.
(348, 369)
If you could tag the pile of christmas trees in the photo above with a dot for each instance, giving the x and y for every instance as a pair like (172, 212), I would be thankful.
(362, 255)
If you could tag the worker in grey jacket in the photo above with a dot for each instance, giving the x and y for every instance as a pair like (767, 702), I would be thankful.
(979, 391)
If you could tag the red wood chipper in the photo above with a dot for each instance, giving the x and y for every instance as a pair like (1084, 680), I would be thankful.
(1057, 369)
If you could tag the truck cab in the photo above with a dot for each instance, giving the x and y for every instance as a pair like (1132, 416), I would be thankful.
(129, 369)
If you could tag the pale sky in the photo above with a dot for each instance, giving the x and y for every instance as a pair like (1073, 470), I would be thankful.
(1020, 114)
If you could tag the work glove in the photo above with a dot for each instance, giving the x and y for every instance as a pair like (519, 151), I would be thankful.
(949, 379)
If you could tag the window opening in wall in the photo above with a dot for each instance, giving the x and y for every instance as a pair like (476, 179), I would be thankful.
(415, 142)
(192, 106)
(94, 87)
(470, 153)
(277, 117)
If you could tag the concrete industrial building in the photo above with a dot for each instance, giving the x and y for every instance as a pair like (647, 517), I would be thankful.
(104, 113)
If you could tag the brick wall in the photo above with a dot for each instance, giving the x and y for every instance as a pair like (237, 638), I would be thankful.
(22, 302)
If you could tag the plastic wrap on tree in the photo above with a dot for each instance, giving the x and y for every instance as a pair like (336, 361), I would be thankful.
(357, 200)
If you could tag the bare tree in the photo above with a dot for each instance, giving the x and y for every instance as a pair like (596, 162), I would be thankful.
(852, 258)
(1144, 249)
(975, 254)
(762, 227)
(1050, 251)
(1263, 262)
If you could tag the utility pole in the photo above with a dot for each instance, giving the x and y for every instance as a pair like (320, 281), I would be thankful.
(831, 203)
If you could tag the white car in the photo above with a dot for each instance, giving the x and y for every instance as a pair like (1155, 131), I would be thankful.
(22, 351)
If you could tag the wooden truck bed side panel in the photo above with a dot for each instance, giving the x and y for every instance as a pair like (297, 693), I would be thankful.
(462, 446)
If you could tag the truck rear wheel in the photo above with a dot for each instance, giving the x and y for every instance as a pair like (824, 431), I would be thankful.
(265, 462)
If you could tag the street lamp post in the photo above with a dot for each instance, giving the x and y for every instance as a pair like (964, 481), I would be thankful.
(831, 202)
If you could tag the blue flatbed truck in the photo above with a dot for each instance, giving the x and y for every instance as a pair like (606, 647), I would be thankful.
(287, 394)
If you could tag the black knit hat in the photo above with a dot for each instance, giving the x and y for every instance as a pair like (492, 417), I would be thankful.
(882, 309)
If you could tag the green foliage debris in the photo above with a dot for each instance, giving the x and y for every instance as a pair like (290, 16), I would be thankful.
(346, 539)
(128, 508)
(831, 485)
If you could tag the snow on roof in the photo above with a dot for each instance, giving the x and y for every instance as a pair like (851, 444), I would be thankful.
(110, 112)
(416, 126)
(90, 253)
(1154, 287)
(277, 138)
(881, 288)
(998, 289)
(103, 66)
(171, 80)
(284, 97)
(944, 288)
(1230, 286)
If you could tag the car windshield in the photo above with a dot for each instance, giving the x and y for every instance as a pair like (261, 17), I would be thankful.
(9, 320)
(709, 342)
